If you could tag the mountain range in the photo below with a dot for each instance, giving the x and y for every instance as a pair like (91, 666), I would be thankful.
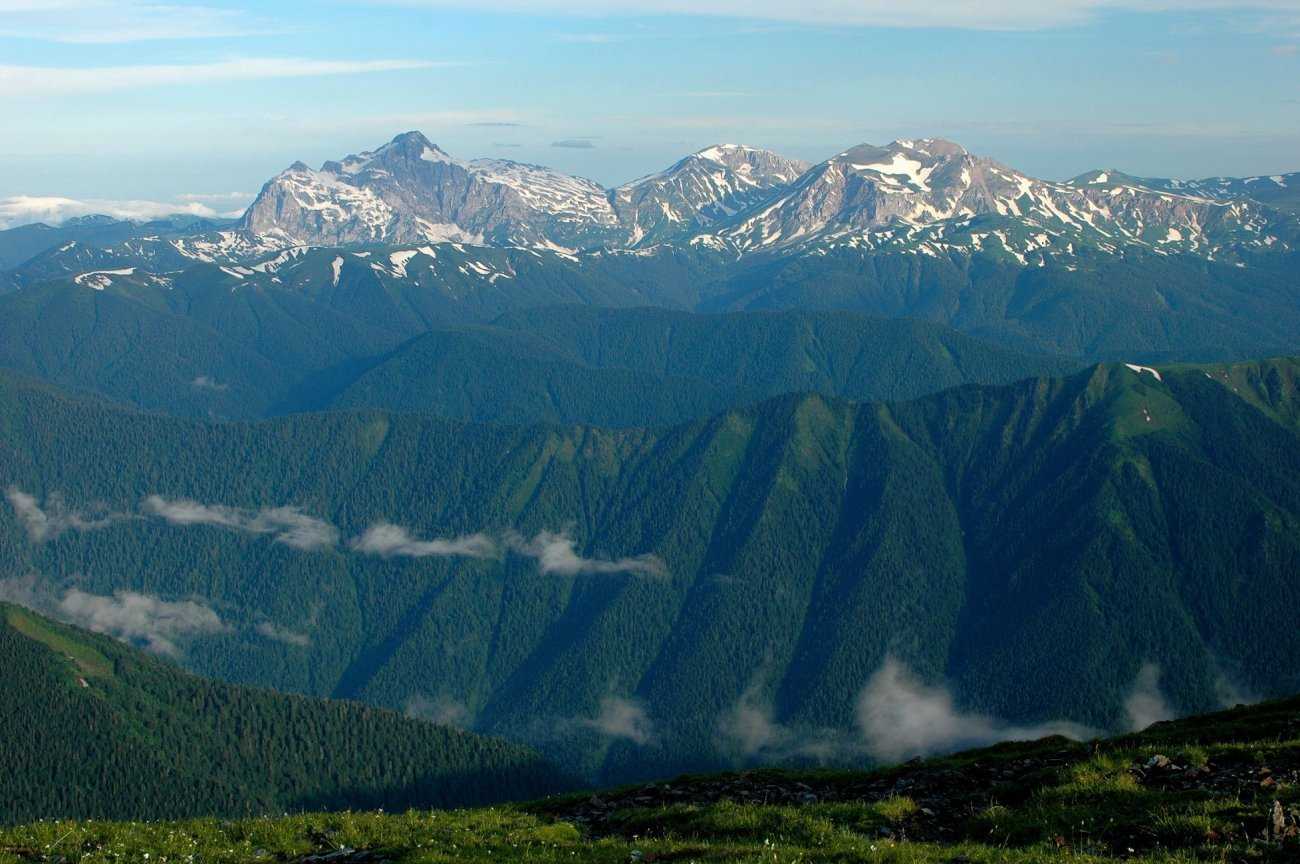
(928, 196)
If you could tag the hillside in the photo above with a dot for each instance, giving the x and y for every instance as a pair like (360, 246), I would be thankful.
(1215, 788)
(198, 347)
(639, 602)
(655, 367)
(98, 730)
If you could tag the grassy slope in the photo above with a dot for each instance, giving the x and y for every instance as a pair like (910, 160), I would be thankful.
(1202, 789)
(93, 728)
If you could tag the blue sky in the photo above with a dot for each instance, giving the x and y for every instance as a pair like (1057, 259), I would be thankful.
(172, 104)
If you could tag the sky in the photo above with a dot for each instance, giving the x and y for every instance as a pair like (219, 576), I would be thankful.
(138, 107)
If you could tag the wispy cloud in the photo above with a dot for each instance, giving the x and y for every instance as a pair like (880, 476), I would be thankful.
(590, 38)
(574, 144)
(205, 382)
(55, 518)
(749, 732)
(287, 525)
(118, 21)
(556, 553)
(37, 81)
(1145, 703)
(389, 541)
(442, 710)
(992, 15)
(623, 719)
(279, 633)
(25, 209)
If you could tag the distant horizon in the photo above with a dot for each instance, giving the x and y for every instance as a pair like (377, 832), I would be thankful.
(193, 104)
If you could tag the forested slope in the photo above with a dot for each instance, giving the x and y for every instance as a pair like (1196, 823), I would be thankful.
(93, 728)
(1044, 549)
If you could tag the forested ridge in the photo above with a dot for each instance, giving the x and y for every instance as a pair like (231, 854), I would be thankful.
(1033, 546)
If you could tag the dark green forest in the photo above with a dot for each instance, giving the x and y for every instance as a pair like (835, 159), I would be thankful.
(1034, 546)
(95, 729)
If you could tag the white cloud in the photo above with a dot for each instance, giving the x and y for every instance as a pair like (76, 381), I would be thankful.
(39, 81)
(288, 525)
(900, 717)
(621, 718)
(991, 15)
(555, 553)
(52, 520)
(278, 633)
(139, 618)
(117, 21)
(25, 209)
(205, 382)
(1145, 703)
(388, 541)
(443, 710)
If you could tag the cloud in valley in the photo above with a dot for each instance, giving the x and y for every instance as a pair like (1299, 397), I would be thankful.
(1145, 704)
(52, 520)
(389, 541)
(278, 633)
(748, 732)
(624, 719)
(204, 382)
(287, 525)
(139, 618)
(556, 553)
(899, 717)
(157, 625)
(442, 710)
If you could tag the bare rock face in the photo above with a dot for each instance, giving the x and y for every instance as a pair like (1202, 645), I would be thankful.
(925, 195)
(703, 189)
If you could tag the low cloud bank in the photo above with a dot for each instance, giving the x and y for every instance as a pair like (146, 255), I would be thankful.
(555, 552)
(900, 717)
(52, 520)
(897, 717)
(287, 525)
(388, 541)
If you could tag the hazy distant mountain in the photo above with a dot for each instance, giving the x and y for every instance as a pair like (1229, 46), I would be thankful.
(1280, 191)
